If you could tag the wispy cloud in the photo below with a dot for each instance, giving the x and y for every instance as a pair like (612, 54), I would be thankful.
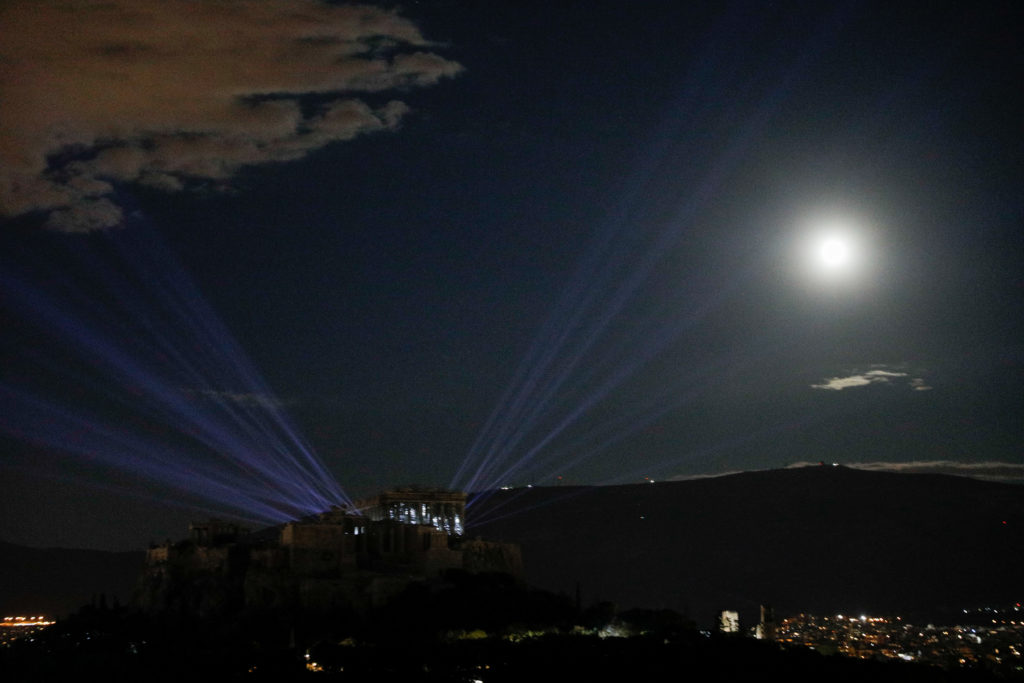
(1007, 472)
(167, 93)
(711, 475)
(876, 375)
(918, 384)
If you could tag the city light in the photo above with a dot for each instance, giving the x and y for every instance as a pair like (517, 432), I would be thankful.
(872, 637)
(22, 628)
(24, 622)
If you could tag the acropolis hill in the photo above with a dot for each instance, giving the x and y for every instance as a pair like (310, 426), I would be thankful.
(338, 559)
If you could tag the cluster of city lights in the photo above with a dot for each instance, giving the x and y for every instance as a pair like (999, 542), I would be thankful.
(22, 622)
(872, 637)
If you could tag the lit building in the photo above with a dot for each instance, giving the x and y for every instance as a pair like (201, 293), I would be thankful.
(441, 509)
(766, 626)
(728, 621)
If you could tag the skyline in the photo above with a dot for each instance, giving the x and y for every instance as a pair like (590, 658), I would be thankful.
(476, 246)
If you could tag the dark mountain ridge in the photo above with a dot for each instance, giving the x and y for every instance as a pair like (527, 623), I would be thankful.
(58, 581)
(816, 539)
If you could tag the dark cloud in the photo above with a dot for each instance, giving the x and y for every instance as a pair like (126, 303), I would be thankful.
(163, 92)
(1006, 472)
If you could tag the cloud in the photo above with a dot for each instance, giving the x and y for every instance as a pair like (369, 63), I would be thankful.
(878, 375)
(1006, 472)
(710, 475)
(167, 93)
(917, 384)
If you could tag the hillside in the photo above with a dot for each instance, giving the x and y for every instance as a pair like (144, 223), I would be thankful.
(57, 581)
(817, 539)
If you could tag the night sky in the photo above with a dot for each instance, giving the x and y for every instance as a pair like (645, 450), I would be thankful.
(260, 256)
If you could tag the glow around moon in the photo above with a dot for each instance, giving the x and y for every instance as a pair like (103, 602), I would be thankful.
(834, 251)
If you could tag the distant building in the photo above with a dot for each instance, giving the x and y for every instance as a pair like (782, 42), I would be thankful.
(728, 621)
(766, 627)
(336, 559)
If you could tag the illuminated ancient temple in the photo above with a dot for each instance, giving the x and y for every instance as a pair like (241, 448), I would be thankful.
(441, 509)
(344, 557)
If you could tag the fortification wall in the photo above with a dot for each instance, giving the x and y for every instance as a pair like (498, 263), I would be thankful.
(479, 556)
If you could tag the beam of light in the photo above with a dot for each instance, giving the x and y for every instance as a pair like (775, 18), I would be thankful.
(491, 509)
(252, 407)
(97, 444)
(580, 359)
(127, 341)
(636, 417)
(167, 402)
(631, 419)
(706, 453)
(181, 499)
(593, 384)
(581, 318)
(483, 510)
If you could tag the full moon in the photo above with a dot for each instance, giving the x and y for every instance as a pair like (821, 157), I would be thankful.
(834, 252)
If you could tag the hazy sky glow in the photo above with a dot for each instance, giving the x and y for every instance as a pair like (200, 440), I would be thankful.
(251, 248)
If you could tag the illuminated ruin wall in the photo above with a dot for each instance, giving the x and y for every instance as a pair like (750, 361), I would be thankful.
(335, 559)
(442, 509)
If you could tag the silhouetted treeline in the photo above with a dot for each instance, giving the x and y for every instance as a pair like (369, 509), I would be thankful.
(460, 627)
